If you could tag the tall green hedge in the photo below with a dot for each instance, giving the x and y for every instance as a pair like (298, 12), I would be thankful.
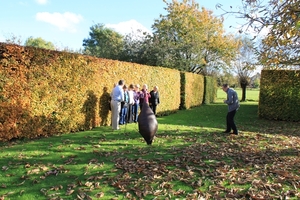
(280, 95)
(210, 90)
(192, 88)
(44, 92)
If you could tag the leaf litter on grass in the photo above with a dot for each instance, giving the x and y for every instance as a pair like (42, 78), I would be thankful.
(183, 163)
(255, 166)
(238, 169)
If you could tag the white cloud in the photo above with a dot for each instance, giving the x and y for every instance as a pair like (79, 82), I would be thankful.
(42, 2)
(131, 26)
(65, 21)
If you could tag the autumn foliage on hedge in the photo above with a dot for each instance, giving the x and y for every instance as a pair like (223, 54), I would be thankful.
(280, 95)
(45, 92)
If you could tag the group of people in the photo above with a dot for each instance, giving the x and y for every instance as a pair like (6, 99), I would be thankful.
(126, 101)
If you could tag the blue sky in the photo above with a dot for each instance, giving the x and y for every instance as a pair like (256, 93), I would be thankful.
(66, 23)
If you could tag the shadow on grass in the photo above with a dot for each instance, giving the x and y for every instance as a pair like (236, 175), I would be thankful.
(247, 120)
(188, 140)
(113, 155)
(203, 118)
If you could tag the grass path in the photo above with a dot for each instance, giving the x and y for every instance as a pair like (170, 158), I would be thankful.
(189, 159)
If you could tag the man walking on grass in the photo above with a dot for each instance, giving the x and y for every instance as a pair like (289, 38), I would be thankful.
(233, 105)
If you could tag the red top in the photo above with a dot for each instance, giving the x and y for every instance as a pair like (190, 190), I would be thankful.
(144, 96)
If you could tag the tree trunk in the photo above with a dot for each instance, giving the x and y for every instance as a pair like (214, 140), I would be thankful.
(243, 91)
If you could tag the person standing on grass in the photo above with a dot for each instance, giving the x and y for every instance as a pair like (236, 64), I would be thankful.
(124, 107)
(144, 96)
(130, 104)
(154, 99)
(136, 97)
(117, 96)
(233, 105)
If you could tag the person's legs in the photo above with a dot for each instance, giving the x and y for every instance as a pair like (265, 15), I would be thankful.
(151, 107)
(135, 112)
(141, 106)
(122, 116)
(230, 122)
(228, 127)
(115, 110)
(125, 112)
(129, 118)
(154, 109)
(112, 114)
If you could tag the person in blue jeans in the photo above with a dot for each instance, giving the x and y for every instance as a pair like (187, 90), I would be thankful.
(233, 105)
(124, 107)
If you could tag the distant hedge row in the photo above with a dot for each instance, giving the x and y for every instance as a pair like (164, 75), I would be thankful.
(210, 90)
(193, 87)
(280, 95)
(45, 92)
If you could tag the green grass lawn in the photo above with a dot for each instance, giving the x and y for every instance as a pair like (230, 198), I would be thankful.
(190, 158)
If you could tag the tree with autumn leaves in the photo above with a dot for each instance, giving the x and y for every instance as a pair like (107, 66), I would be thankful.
(280, 19)
(186, 38)
(190, 39)
(194, 40)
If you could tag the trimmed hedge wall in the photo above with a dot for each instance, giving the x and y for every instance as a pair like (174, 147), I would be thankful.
(210, 90)
(192, 88)
(44, 92)
(279, 97)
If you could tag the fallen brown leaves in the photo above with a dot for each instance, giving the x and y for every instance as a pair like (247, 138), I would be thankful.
(232, 168)
(247, 166)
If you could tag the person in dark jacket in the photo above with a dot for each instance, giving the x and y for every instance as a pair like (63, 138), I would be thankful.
(154, 99)
(233, 105)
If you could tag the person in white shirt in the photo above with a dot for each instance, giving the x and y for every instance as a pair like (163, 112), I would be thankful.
(117, 96)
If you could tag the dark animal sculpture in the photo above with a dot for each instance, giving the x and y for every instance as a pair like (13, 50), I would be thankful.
(147, 123)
